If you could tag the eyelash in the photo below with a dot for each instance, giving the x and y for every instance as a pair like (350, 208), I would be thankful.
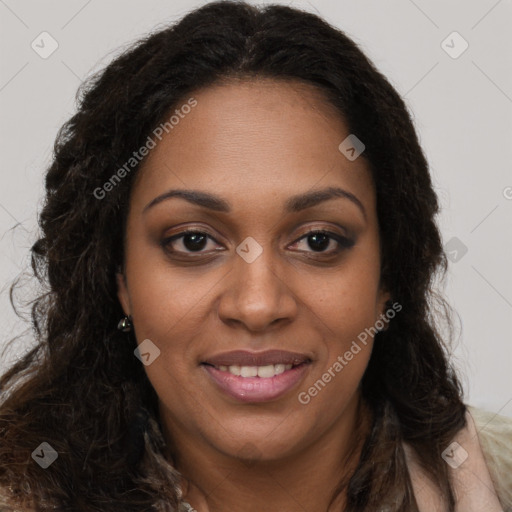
(343, 242)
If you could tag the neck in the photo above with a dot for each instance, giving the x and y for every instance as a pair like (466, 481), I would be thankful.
(307, 480)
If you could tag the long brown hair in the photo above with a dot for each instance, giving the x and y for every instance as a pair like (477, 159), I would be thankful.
(82, 391)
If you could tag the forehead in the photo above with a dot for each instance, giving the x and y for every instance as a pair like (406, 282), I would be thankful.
(250, 139)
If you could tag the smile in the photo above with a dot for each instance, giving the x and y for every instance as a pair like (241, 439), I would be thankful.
(256, 383)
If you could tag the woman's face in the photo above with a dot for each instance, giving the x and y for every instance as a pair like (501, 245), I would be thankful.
(258, 156)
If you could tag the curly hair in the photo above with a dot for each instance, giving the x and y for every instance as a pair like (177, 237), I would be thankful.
(81, 389)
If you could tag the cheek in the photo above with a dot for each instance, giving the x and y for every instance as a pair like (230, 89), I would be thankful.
(347, 300)
(347, 308)
(347, 347)
(166, 303)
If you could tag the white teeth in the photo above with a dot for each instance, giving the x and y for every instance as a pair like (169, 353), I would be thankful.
(280, 368)
(235, 369)
(248, 371)
(264, 372)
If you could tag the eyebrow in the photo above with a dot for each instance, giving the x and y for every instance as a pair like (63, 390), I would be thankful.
(293, 204)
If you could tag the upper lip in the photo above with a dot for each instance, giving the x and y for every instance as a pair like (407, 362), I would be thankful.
(246, 358)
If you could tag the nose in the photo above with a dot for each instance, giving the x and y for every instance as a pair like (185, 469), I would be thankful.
(257, 294)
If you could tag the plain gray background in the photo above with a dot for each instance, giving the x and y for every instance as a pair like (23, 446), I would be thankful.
(461, 104)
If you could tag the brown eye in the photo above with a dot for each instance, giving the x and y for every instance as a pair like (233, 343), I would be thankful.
(320, 240)
(190, 241)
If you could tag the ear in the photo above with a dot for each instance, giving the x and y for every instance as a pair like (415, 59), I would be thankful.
(122, 293)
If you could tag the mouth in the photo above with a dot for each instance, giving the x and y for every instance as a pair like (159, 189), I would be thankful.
(257, 377)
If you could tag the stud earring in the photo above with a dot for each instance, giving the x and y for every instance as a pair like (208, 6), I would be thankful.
(125, 324)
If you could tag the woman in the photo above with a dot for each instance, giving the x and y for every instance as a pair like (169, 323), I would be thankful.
(240, 248)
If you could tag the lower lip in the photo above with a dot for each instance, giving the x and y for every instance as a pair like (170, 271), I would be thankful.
(257, 389)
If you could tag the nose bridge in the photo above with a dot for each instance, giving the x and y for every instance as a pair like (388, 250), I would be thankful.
(254, 269)
(257, 295)
(255, 266)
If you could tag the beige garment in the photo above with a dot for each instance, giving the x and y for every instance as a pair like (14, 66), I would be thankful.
(480, 460)
(495, 434)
